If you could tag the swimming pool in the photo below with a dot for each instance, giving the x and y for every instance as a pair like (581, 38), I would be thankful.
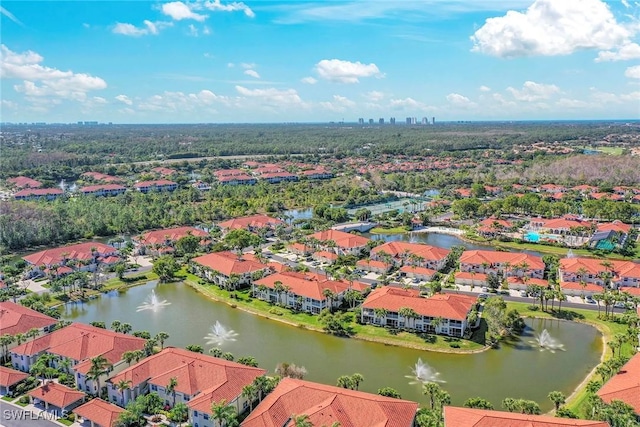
(532, 236)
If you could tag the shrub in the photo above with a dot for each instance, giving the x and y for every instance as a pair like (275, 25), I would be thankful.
(533, 307)
(454, 345)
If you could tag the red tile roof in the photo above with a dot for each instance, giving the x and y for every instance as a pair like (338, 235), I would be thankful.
(253, 221)
(228, 263)
(341, 239)
(397, 249)
(213, 377)
(614, 226)
(560, 223)
(326, 404)
(57, 394)
(24, 182)
(447, 306)
(102, 413)
(471, 417)
(306, 285)
(154, 183)
(18, 319)
(159, 237)
(97, 176)
(163, 171)
(79, 252)
(9, 377)
(326, 255)
(99, 187)
(27, 192)
(594, 266)
(625, 385)
(371, 263)
(82, 342)
(477, 257)
(417, 270)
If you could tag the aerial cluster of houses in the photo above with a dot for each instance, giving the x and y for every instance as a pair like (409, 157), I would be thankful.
(202, 380)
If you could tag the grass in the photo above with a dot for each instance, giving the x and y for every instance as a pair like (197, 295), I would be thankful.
(244, 301)
(392, 230)
(7, 398)
(134, 280)
(555, 250)
(613, 151)
(65, 421)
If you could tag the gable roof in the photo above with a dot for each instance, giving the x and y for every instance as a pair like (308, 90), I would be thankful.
(429, 253)
(102, 413)
(253, 221)
(211, 378)
(625, 385)
(154, 183)
(471, 417)
(308, 285)
(228, 263)
(447, 306)
(56, 394)
(24, 182)
(170, 234)
(9, 377)
(341, 239)
(594, 266)
(80, 252)
(18, 319)
(479, 257)
(325, 404)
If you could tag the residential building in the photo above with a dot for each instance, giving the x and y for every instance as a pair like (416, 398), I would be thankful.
(340, 242)
(64, 259)
(491, 227)
(411, 254)
(202, 186)
(101, 177)
(253, 223)
(17, 319)
(56, 398)
(24, 182)
(374, 266)
(78, 344)
(574, 272)
(560, 226)
(162, 171)
(326, 405)
(162, 241)
(155, 185)
(318, 173)
(505, 264)
(98, 413)
(38, 194)
(625, 385)
(228, 269)
(9, 378)
(103, 190)
(201, 381)
(384, 307)
(276, 177)
(472, 417)
(243, 179)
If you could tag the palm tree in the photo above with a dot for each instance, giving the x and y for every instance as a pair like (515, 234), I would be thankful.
(301, 420)
(115, 325)
(357, 378)
(161, 337)
(558, 398)
(250, 392)
(436, 322)
(329, 296)
(380, 313)
(171, 389)
(345, 381)
(122, 386)
(5, 341)
(99, 366)
(409, 314)
(224, 414)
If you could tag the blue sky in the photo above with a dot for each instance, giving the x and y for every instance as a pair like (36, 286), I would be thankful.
(219, 61)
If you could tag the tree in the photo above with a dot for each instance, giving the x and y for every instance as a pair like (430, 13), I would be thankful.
(250, 392)
(99, 366)
(301, 420)
(558, 398)
(224, 414)
(478, 403)
(179, 413)
(165, 267)
(100, 325)
(345, 381)
(357, 378)
(122, 386)
(389, 392)
(248, 361)
(171, 389)
(196, 348)
(239, 239)
(329, 295)
(161, 337)
(188, 244)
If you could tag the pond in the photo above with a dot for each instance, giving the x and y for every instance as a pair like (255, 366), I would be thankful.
(519, 369)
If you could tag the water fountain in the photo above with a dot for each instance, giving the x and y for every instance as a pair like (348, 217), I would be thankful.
(220, 334)
(546, 342)
(412, 237)
(62, 185)
(570, 254)
(423, 373)
(152, 303)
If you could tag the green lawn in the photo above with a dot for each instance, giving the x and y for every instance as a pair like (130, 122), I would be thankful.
(133, 280)
(613, 151)
(555, 250)
(8, 398)
(393, 230)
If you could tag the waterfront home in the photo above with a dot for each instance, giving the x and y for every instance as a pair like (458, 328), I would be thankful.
(339, 242)
(24, 182)
(492, 227)
(201, 185)
(244, 179)
(98, 413)
(38, 194)
(162, 171)
(389, 306)
(373, 266)
(411, 254)
(17, 319)
(78, 344)
(9, 378)
(307, 292)
(325, 257)
(64, 259)
(505, 264)
(625, 385)
(162, 241)
(56, 398)
(228, 269)
(567, 224)
(253, 223)
(300, 249)
(598, 272)
(102, 190)
(155, 185)
(200, 381)
(326, 405)
(472, 417)
(101, 177)
(276, 177)
(318, 173)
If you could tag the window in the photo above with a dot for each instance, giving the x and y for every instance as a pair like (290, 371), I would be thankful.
(205, 416)
(153, 388)
(195, 414)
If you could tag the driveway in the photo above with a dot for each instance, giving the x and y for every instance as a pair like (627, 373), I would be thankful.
(16, 416)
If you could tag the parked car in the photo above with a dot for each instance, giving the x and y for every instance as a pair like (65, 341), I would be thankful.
(620, 304)
(589, 299)
(485, 289)
(524, 294)
(483, 296)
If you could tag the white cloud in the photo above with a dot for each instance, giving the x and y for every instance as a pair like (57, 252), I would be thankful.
(633, 72)
(272, 97)
(484, 88)
(626, 52)
(180, 102)
(309, 80)
(41, 81)
(339, 104)
(125, 99)
(340, 71)
(247, 65)
(572, 103)
(216, 5)
(252, 73)
(193, 31)
(178, 11)
(409, 104)
(374, 96)
(152, 28)
(10, 15)
(626, 4)
(532, 91)
(551, 27)
(99, 100)
(460, 101)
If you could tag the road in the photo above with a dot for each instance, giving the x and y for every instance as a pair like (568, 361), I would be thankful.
(16, 416)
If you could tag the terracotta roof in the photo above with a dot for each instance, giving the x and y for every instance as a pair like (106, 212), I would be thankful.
(513, 280)
(79, 252)
(447, 306)
(467, 275)
(366, 263)
(326, 255)
(576, 286)
(417, 270)
(154, 183)
(614, 226)
(213, 377)
(471, 417)
(102, 413)
(105, 187)
(163, 171)
(631, 290)
(253, 221)
(491, 223)
(625, 385)
(594, 266)
(341, 239)
(326, 404)
(23, 181)
(170, 234)
(101, 177)
(477, 257)
(38, 192)
(228, 263)
(9, 377)
(396, 249)
(57, 394)
(82, 342)
(561, 223)
(307, 285)
(18, 319)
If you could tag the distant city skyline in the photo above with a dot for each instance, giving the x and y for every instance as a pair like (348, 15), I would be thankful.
(214, 61)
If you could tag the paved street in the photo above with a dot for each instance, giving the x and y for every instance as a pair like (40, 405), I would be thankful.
(16, 416)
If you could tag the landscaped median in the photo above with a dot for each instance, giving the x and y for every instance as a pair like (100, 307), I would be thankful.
(243, 301)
